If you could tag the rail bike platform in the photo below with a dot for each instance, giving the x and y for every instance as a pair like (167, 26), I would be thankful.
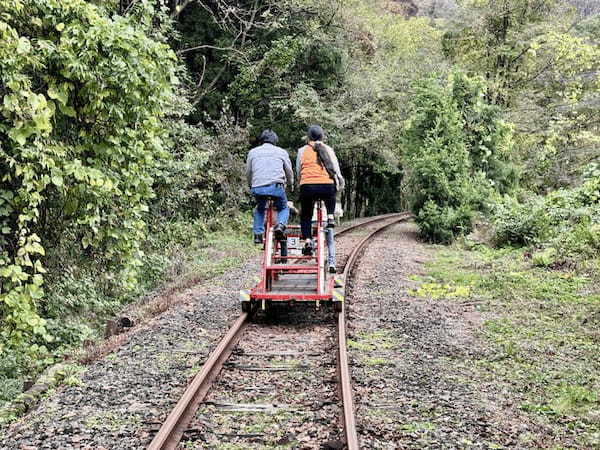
(288, 276)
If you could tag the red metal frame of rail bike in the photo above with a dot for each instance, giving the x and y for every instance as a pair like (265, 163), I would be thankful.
(275, 265)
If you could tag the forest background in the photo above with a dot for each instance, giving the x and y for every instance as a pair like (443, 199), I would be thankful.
(125, 126)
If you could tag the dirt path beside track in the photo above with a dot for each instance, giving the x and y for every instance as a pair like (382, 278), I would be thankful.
(411, 360)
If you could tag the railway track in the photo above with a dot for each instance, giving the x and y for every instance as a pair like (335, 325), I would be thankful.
(259, 364)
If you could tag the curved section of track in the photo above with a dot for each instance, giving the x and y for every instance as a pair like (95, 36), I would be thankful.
(174, 427)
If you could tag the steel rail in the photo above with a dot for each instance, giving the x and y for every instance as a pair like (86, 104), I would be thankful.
(173, 428)
(343, 364)
(368, 222)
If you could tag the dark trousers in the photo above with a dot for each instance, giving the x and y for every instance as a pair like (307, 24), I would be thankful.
(309, 193)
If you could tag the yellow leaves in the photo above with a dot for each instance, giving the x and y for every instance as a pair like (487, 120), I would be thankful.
(438, 291)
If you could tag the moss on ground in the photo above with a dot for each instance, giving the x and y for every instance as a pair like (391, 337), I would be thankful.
(368, 342)
(111, 421)
(273, 425)
(543, 330)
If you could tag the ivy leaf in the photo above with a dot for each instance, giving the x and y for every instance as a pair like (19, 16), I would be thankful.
(23, 46)
(66, 110)
(57, 180)
(19, 135)
(59, 94)
(38, 267)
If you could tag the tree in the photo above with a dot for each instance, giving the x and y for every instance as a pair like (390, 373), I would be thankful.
(539, 65)
(457, 153)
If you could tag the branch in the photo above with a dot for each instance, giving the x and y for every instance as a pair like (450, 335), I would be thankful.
(210, 86)
(129, 7)
(203, 71)
(212, 47)
(181, 7)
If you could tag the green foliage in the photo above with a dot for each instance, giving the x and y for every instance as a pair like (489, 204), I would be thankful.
(457, 152)
(542, 65)
(517, 223)
(251, 58)
(540, 335)
(443, 224)
(80, 139)
(565, 221)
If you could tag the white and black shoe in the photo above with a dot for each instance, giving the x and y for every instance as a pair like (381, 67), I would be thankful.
(308, 249)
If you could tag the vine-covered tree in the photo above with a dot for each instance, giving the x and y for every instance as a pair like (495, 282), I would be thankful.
(81, 136)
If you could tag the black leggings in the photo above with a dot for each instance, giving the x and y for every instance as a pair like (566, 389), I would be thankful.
(309, 193)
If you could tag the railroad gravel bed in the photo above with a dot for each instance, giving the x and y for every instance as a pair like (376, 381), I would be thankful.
(278, 389)
(125, 396)
(410, 361)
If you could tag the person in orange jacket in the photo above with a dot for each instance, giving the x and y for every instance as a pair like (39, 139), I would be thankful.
(320, 178)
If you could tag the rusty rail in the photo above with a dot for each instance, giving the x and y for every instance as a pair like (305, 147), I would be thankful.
(343, 366)
(368, 222)
(174, 427)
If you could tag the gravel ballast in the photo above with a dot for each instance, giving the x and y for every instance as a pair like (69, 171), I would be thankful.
(124, 396)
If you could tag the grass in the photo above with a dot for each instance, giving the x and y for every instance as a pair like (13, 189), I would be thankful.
(542, 327)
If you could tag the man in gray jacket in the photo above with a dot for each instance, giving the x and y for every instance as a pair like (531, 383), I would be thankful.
(268, 168)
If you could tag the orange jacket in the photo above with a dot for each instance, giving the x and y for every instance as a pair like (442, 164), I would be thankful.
(311, 172)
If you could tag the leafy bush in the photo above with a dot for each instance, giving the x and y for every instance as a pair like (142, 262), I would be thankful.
(444, 224)
(567, 220)
(517, 223)
(81, 136)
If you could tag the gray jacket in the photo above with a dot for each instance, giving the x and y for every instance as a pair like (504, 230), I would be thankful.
(268, 164)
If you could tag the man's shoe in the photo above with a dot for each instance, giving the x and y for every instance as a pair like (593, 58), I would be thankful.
(330, 223)
(279, 231)
(258, 238)
(332, 269)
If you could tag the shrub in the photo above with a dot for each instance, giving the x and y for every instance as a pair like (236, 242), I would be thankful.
(81, 137)
(444, 224)
(566, 220)
(520, 223)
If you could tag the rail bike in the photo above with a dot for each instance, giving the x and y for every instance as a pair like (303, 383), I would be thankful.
(289, 276)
